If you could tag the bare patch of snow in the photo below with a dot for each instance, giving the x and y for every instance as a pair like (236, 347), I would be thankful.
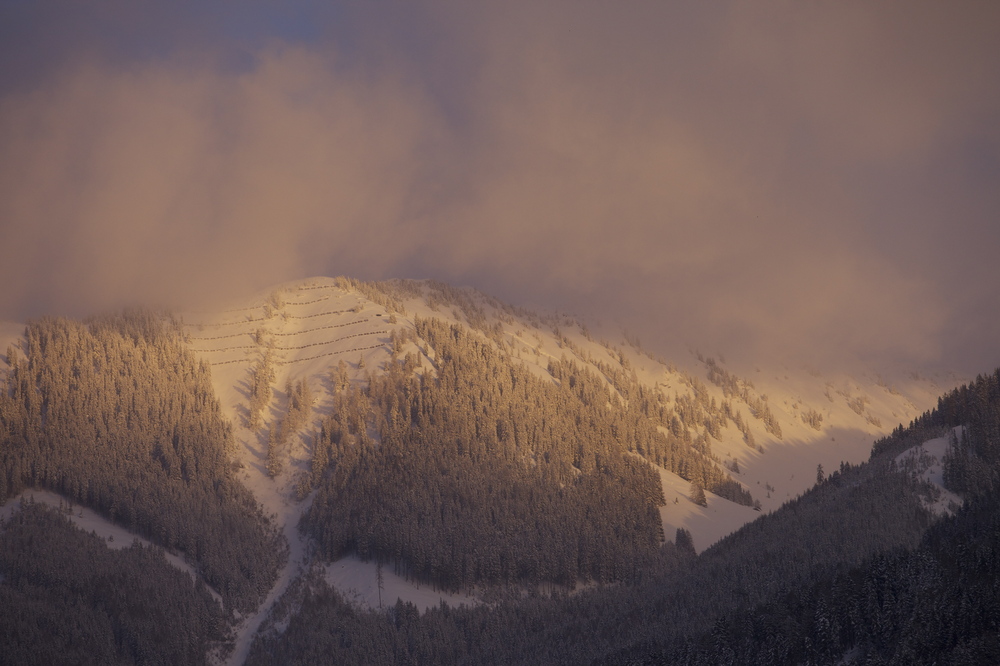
(315, 324)
(358, 582)
(926, 461)
(707, 524)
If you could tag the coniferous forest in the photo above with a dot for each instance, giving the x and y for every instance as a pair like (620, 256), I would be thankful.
(66, 598)
(463, 470)
(116, 415)
(669, 334)
(486, 473)
(483, 474)
(854, 571)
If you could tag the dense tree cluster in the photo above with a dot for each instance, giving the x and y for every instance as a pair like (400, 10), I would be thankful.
(300, 400)
(812, 418)
(693, 417)
(938, 603)
(855, 514)
(66, 598)
(732, 386)
(642, 422)
(389, 295)
(482, 473)
(973, 466)
(846, 573)
(116, 415)
(261, 378)
(474, 472)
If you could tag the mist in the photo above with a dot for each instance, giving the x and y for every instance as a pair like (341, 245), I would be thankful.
(811, 183)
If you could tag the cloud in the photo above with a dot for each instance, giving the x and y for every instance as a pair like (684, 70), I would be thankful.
(174, 179)
(809, 181)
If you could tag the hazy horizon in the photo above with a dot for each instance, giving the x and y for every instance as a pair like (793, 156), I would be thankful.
(766, 180)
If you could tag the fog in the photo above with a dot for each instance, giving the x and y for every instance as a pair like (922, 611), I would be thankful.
(771, 180)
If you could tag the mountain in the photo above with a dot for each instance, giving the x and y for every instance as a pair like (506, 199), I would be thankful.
(411, 441)
(793, 420)
(775, 428)
(849, 572)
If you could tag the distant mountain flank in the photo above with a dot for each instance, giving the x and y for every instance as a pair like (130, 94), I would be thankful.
(768, 431)
(862, 568)
(347, 464)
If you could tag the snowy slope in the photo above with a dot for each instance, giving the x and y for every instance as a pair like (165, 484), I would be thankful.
(926, 462)
(856, 409)
(314, 324)
(311, 326)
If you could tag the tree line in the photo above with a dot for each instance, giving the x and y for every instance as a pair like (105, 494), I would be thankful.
(66, 598)
(855, 570)
(479, 473)
(115, 414)
(935, 603)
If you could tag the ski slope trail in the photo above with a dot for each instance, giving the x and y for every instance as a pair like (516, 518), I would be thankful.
(791, 422)
(307, 329)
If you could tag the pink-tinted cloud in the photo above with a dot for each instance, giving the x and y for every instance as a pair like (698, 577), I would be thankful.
(805, 180)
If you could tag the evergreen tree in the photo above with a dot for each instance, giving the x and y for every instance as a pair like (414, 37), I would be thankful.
(684, 541)
(698, 494)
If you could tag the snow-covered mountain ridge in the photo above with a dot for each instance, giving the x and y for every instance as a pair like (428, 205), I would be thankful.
(776, 426)
(769, 430)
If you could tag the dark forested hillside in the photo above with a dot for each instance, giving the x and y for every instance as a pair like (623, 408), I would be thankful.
(462, 468)
(973, 466)
(860, 511)
(66, 598)
(854, 571)
(116, 415)
(936, 604)
(484, 473)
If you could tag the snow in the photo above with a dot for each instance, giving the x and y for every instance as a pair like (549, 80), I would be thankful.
(248, 626)
(358, 580)
(307, 313)
(314, 324)
(927, 462)
(776, 470)
(782, 469)
(707, 524)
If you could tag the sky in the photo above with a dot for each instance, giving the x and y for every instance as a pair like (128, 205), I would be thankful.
(807, 181)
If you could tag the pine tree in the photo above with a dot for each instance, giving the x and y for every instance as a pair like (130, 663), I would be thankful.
(684, 541)
(698, 494)
(340, 377)
(274, 463)
(260, 388)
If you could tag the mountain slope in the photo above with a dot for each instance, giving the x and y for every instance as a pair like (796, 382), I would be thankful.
(67, 598)
(450, 437)
(763, 433)
(848, 573)
(115, 415)
(938, 603)
(774, 427)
